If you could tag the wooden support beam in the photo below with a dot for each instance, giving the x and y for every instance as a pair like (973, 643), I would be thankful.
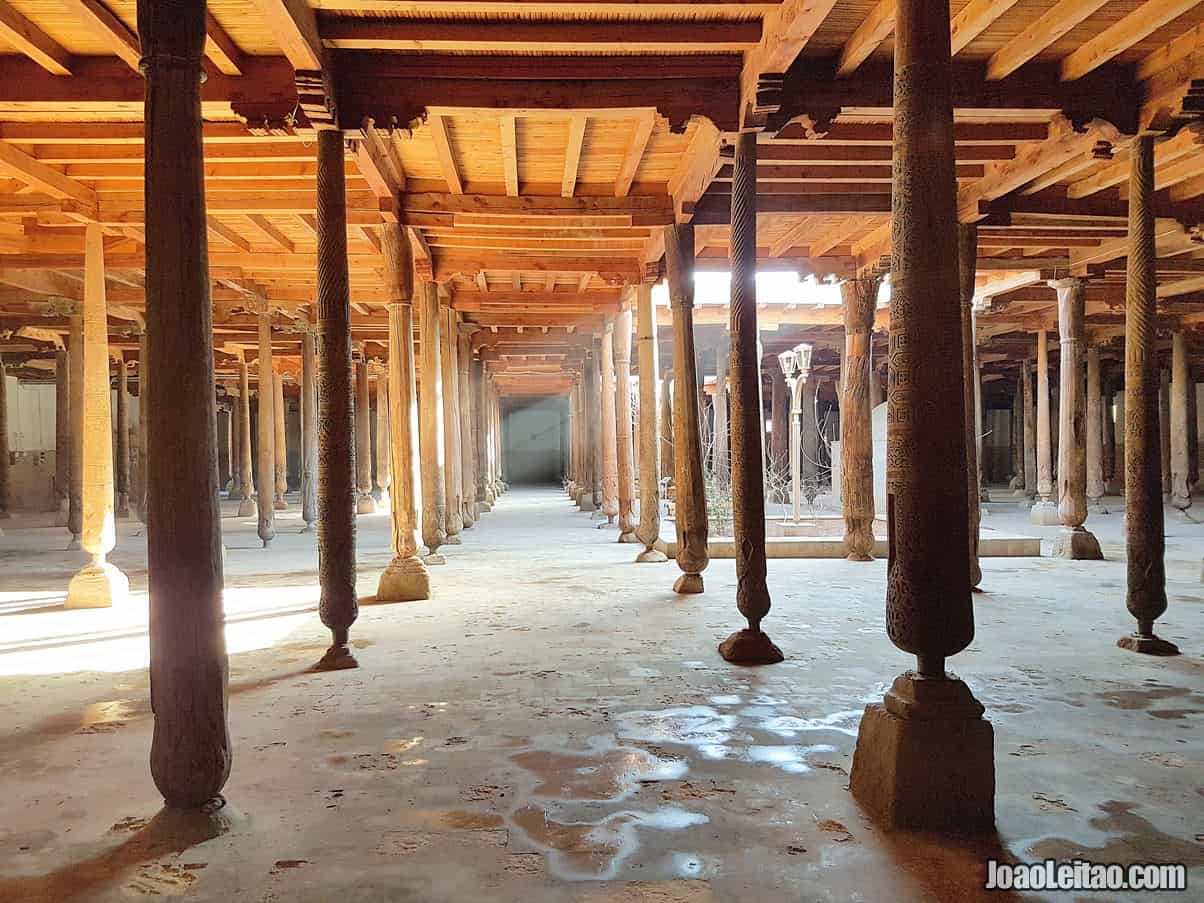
(443, 151)
(1040, 33)
(25, 37)
(790, 238)
(875, 28)
(482, 282)
(1188, 141)
(572, 155)
(1178, 49)
(224, 232)
(1123, 34)
(106, 26)
(220, 48)
(295, 27)
(975, 18)
(17, 164)
(508, 126)
(837, 235)
(268, 228)
(634, 153)
(651, 209)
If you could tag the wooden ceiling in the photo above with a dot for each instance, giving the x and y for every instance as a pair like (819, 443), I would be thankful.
(535, 149)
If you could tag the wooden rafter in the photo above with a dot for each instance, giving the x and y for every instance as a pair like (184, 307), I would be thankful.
(634, 153)
(1122, 35)
(121, 41)
(508, 126)
(30, 40)
(295, 26)
(975, 18)
(269, 229)
(220, 48)
(227, 234)
(875, 28)
(1041, 32)
(443, 151)
(572, 155)
(21, 166)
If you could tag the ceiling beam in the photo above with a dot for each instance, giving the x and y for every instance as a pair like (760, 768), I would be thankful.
(634, 153)
(268, 228)
(875, 28)
(27, 38)
(508, 126)
(220, 48)
(445, 155)
(110, 29)
(786, 31)
(975, 18)
(295, 26)
(1123, 34)
(1040, 34)
(37, 175)
(572, 155)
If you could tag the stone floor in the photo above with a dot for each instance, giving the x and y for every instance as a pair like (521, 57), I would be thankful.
(556, 725)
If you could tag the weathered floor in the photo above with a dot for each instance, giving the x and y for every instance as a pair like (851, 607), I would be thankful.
(556, 725)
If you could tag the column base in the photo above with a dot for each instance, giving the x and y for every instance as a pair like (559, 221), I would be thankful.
(97, 586)
(1147, 645)
(365, 505)
(404, 580)
(586, 504)
(73, 543)
(687, 584)
(1045, 514)
(453, 539)
(628, 537)
(1077, 544)
(925, 758)
(280, 504)
(337, 658)
(433, 558)
(750, 647)
(248, 508)
(654, 553)
(484, 507)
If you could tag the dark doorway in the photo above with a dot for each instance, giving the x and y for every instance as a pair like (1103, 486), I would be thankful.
(534, 433)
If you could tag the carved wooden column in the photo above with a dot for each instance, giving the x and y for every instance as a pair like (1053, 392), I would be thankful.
(1045, 509)
(1073, 540)
(690, 517)
(279, 434)
(235, 432)
(924, 759)
(1180, 432)
(749, 645)
(75, 347)
(779, 418)
(624, 441)
(856, 422)
(430, 425)
(796, 370)
(720, 432)
(809, 442)
(1164, 429)
(1113, 468)
(265, 476)
(468, 457)
(452, 473)
(309, 430)
(1095, 432)
(190, 751)
(62, 433)
(1030, 432)
(405, 579)
(338, 605)
(480, 437)
(666, 440)
(1145, 542)
(4, 477)
(364, 503)
(224, 426)
(649, 529)
(384, 468)
(247, 507)
(967, 258)
(121, 432)
(99, 584)
(590, 496)
(608, 450)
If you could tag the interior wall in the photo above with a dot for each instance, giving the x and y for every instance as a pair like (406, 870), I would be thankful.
(533, 430)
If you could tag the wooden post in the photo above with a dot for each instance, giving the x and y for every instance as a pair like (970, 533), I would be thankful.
(591, 498)
(223, 446)
(649, 530)
(468, 455)
(405, 579)
(430, 429)
(485, 495)
(248, 506)
(856, 421)
(143, 425)
(122, 438)
(624, 441)
(749, 645)
(190, 750)
(779, 419)
(75, 347)
(279, 439)
(1030, 432)
(608, 451)
(364, 504)
(62, 433)
(265, 452)
(665, 450)
(1180, 432)
(4, 491)
(1164, 429)
(338, 605)
(309, 430)
(721, 433)
(1095, 432)
(452, 473)
(1045, 509)
(384, 468)
(967, 257)
(690, 517)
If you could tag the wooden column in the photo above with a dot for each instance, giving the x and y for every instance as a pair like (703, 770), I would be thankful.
(1030, 432)
(279, 439)
(430, 425)
(121, 433)
(4, 477)
(338, 605)
(967, 258)
(384, 425)
(924, 759)
(608, 450)
(749, 645)
(364, 503)
(1113, 474)
(190, 751)
(666, 440)
(1180, 432)
(1017, 484)
(248, 506)
(480, 439)
(690, 516)
(143, 425)
(75, 347)
(590, 498)
(309, 430)
(624, 440)
(1045, 509)
(452, 473)
(720, 431)
(1164, 429)
(779, 434)
(796, 370)
(809, 441)
(405, 579)
(265, 469)
(62, 433)
(224, 427)
(1095, 432)
(99, 584)
(856, 423)
(649, 529)
(468, 457)
(1073, 540)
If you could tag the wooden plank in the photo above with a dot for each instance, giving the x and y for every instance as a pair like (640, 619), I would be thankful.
(21, 166)
(508, 127)
(572, 155)
(25, 37)
(1179, 48)
(975, 18)
(879, 133)
(695, 169)
(227, 234)
(790, 238)
(220, 48)
(1040, 33)
(295, 26)
(443, 151)
(1187, 141)
(99, 20)
(1122, 35)
(875, 28)
(837, 235)
(268, 228)
(482, 282)
(634, 153)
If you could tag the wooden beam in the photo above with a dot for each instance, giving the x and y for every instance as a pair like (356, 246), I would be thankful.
(508, 126)
(786, 31)
(21, 166)
(635, 153)
(295, 27)
(224, 232)
(790, 238)
(268, 228)
(1040, 33)
(975, 18)
(27, 38)
(1188, 141)
(443, 151)
(572, 155)
(837, 235)
(875, 28)
(1179, 48)
(1122, 35)
(110, 29)
(220, 48)
(482, 282)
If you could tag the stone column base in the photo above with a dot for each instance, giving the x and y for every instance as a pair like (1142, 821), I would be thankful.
(280, 504)
(1045, 514)
(629, 537)
(248, 508)
(484, 507)
(1077, 544)
(688, 583)
(925, 758)
(1147, 645)
(750, 647)
(365, 505)
(653, 554)
(586, 503)
(97, 586)
(453, 539)
(404, 580)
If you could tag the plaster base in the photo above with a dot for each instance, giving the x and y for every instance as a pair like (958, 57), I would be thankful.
(97, 586)
(404, 580)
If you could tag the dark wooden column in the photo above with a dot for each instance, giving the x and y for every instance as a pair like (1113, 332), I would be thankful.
(121, 444)
(338, 605)
(143, 424)
(666, 440)
(190, 751)
(924, 758)
(1181, 412)
(1145, 541)
(265, 422)
(751, 645)
(856, 420)
(649, 529)
(690, 515)
(246, 505)
(967, 258)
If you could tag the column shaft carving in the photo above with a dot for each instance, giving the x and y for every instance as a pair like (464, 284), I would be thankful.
(856, 421)
(624, 441)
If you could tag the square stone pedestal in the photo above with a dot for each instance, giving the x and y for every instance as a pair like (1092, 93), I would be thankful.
(925, 758)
